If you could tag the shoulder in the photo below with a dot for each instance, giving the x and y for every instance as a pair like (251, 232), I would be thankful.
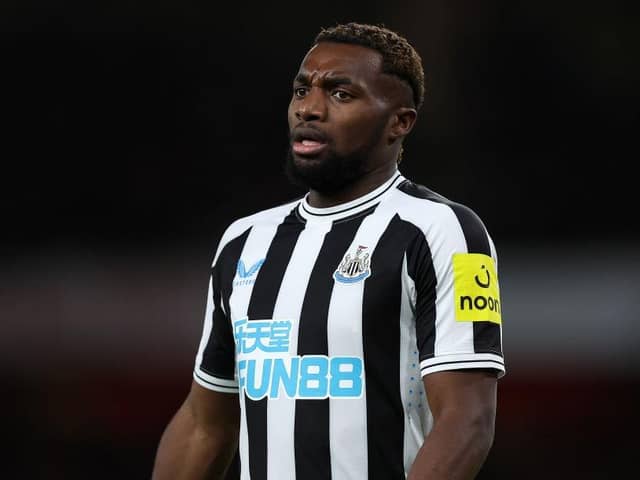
(441, 218)
(263, 217)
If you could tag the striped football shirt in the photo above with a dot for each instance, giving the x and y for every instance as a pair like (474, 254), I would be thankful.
(325, 320)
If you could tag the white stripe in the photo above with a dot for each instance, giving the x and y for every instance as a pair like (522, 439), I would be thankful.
(243, 443)
(221, 382)
(454, 361)
(281, 411)
(255, 249)
(213, 386)
(411, 391)
(460, 357)
(470, 365)
(348, 416)
(494, 253)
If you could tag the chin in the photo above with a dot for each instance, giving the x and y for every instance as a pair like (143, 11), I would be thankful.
(308, 165)
(303, 160)
(324, 173)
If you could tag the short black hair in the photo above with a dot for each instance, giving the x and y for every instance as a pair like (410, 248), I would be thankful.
(398, 55)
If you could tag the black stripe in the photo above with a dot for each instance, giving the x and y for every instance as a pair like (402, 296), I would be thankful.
(218, 357)
(311, 441)
(486, 335)
(261, 306)
(381, 345)
(420, 269)
(355, 206)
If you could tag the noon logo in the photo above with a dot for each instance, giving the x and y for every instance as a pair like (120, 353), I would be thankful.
(476, 290)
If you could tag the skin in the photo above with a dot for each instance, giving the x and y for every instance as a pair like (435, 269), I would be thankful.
(201, 438)
(463, 404)
(363, 103)
(370, 111)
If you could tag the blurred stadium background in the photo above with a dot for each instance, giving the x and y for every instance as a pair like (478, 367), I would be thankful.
(133, 132)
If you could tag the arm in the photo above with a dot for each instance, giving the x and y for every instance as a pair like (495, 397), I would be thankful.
(463, 404)
(201, 439)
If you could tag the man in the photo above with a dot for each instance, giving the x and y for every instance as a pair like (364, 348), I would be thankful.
(355, 333)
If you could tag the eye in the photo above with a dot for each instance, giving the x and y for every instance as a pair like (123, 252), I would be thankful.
(300, 92)
(342, 95)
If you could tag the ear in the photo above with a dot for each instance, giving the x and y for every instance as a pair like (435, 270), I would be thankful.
(402, 122)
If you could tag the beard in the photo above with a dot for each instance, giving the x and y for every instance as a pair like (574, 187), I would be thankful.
(331, 172)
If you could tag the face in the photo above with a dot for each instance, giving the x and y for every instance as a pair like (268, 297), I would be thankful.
(338, 116)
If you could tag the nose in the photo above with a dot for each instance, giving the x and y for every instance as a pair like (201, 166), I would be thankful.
(311, 107)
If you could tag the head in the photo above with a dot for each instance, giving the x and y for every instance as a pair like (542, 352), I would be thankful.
(355, 98)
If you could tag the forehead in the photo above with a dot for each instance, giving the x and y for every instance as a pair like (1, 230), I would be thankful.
(359, 63)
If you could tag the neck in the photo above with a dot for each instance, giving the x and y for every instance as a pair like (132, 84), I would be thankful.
(365, 184)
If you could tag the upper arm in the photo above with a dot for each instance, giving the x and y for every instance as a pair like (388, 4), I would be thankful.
(212, 409)
(201, 438)
(463, 404)
(465, 394)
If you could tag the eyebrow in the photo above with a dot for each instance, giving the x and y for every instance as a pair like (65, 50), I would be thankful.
(328, 82)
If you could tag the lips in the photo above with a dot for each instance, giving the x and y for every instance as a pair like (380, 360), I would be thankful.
(308, 141)
(308, 147)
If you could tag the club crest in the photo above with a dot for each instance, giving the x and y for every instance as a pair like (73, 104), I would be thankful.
(354, 268)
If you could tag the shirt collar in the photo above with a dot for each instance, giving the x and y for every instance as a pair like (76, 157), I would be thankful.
(348, 209)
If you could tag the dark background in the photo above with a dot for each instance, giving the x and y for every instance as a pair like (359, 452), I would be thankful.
(134, 132)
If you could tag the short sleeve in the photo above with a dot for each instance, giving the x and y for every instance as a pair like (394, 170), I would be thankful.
(457, 297)
(215, 361)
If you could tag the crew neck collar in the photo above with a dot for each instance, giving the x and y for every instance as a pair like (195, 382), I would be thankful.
(350, 208)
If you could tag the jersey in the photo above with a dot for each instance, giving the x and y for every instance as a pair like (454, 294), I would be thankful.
(325, 320)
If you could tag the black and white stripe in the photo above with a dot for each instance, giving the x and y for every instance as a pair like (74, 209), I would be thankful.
(453, 340)
(398, 321)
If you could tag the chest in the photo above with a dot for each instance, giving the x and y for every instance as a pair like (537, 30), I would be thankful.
(316, 287)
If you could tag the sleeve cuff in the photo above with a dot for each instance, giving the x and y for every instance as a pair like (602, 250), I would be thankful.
(458, 361)
(214, 383)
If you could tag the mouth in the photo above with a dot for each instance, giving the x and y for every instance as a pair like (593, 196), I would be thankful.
(308, 142)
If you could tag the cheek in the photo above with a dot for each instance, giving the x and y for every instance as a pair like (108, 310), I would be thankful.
(353, 136)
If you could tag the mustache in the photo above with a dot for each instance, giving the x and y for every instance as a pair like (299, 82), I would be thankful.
(307, 132)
